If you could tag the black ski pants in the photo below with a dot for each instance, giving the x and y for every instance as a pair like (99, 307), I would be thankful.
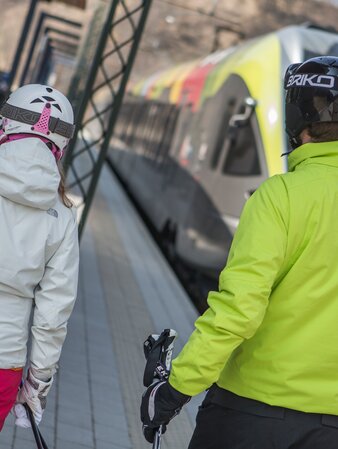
(228, 421)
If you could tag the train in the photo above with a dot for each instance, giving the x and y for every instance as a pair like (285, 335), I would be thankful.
(193, 142)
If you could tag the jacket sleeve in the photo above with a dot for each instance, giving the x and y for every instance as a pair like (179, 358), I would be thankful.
(236, 311)
(54, 301)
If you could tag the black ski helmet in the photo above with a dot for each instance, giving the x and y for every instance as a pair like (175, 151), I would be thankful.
(311, 95)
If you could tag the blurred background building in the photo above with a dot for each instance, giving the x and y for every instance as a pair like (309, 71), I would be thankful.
(178, 30)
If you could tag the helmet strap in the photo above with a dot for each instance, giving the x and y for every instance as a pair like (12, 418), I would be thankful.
(295, 142)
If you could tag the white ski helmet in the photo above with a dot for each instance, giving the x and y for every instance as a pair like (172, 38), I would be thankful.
(39, 110)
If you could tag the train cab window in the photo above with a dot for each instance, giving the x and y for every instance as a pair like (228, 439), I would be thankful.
(234, 147)
(224, 127)
(332, 51)
(242, 158)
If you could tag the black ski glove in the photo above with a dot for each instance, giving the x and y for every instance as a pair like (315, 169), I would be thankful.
(160, 403)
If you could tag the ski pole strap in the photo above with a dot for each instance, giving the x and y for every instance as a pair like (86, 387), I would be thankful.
(158, 352)
(40, 442)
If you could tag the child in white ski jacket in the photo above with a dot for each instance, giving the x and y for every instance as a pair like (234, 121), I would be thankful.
(38, 246)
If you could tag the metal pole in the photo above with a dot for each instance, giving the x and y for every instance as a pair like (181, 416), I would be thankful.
(89, 84)
(21, 43)
(43, 16)
(114, 115)
(106, 118)
(32, 47)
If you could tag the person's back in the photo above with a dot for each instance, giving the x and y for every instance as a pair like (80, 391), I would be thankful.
(33, 223)
(267, 345)
(39, 248)
(291, 359)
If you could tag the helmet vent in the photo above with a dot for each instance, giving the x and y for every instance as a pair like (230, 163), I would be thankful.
(48, 98)
(57, 107)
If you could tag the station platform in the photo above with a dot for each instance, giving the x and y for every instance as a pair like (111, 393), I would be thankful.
(127, 291)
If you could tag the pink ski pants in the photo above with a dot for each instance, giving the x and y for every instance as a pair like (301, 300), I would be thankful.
(9, 383)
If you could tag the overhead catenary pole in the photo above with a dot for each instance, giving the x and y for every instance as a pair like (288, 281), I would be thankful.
(25, 31)
(22, 41)
(44, 16)
(91, 113)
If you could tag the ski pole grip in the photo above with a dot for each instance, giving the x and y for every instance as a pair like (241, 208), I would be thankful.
(158, 351)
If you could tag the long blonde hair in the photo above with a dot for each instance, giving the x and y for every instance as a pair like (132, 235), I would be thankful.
(62, 187)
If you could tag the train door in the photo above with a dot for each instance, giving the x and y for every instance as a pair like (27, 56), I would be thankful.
(238, 162)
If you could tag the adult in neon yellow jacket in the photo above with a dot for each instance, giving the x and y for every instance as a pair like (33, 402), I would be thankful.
(269, 339)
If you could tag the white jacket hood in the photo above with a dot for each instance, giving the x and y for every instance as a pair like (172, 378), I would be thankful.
(28, 173)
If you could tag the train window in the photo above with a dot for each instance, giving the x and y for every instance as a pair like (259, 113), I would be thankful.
(167, 133)
(309, 54)
(158, 129)
(183, 127)
(224, 127)
(120, 121)
(332, 51)
(124, 121)
(232, 102)
(131, 120)
(137, 138)
(153, 129)
(147, 119)
(242, 158)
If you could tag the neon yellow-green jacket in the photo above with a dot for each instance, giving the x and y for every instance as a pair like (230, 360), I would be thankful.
(271, 332)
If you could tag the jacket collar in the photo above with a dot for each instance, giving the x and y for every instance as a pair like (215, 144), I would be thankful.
(325, 153)
(28, 173)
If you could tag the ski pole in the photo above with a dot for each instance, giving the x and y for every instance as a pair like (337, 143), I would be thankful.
(158, 350)
(40, 442)
(157, 438)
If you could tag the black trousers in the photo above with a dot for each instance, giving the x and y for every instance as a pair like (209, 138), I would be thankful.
(227, 421)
